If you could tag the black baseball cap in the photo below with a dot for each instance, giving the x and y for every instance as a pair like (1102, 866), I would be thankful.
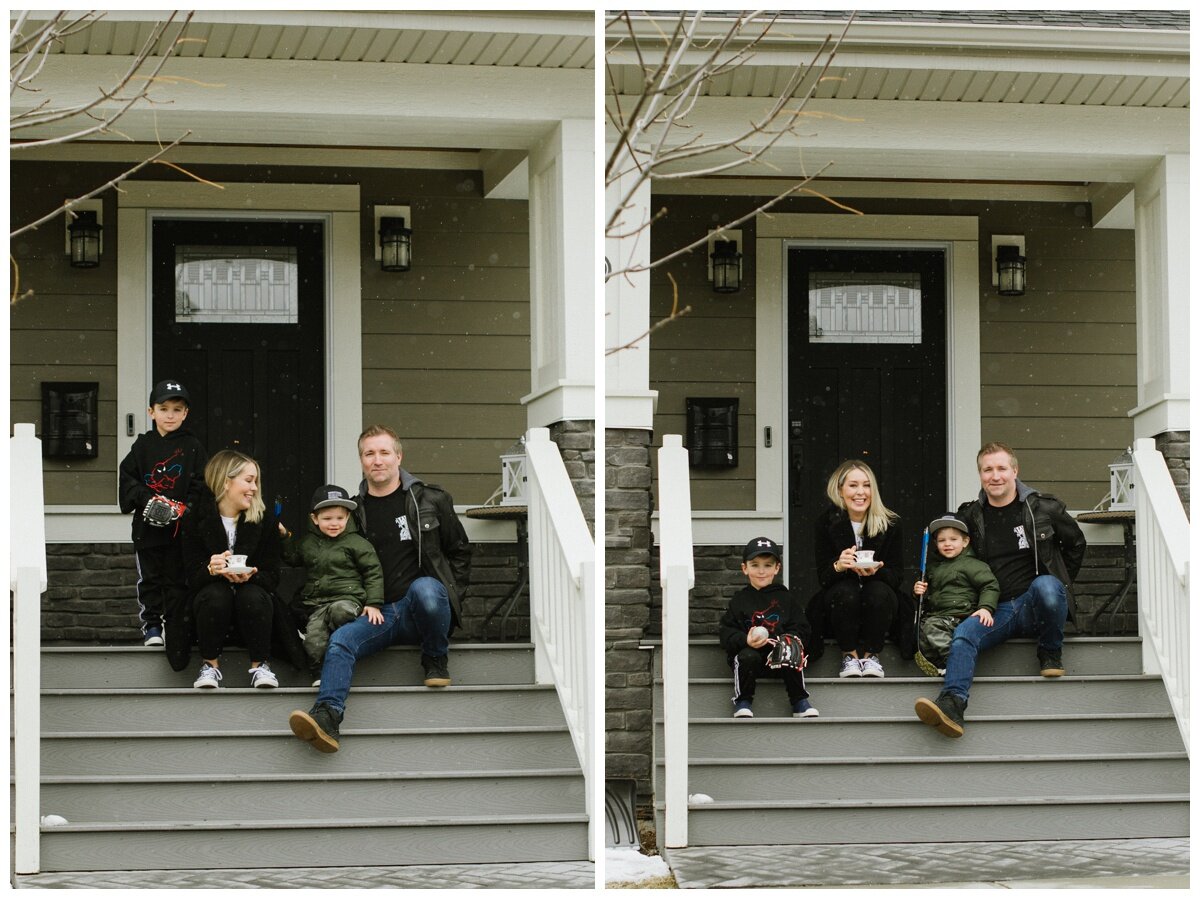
(948, 521)
(332, 495)
(168, 390)
(762, 546)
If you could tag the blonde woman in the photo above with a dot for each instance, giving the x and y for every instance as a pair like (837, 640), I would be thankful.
(232, 520)
(861, 599)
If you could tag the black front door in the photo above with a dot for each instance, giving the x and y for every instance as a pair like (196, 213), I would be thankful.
(866, 380)
(239, 319)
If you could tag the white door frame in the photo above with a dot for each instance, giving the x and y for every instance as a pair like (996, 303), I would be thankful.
(139, 203)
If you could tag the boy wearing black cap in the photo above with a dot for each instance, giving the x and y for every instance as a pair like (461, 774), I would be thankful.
(958, 586)
(757, 617)
(161, 477)
(343, 574)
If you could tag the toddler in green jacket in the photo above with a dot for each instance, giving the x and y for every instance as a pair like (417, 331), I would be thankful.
(342, 570)
(958, 586)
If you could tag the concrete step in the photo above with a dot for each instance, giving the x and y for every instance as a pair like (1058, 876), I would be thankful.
(1081, 655)
(890, 696)
(192, 711)
(143, 666)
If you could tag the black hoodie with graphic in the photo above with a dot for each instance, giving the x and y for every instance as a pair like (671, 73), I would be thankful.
(170, 465)
(772, 607)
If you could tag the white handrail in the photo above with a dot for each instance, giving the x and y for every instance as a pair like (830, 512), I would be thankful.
(27, 582)
(562, 597)
(1162, 536)
(677, 571)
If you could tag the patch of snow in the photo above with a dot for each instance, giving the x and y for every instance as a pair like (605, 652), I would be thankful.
(700, 798)
(630, 866)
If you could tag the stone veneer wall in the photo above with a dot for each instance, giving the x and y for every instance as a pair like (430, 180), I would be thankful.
(1176, 447)
(628, 572)
(91, 596)
(577, 445)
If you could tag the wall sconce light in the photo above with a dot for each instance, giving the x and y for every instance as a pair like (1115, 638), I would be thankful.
(393, 240)
(83, 234)
(1008, 264)
(724, 261)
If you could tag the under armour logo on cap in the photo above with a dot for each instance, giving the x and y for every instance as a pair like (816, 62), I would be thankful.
(171, 385)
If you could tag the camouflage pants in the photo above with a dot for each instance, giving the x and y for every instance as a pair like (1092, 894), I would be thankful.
(323, 622)
(934, 635)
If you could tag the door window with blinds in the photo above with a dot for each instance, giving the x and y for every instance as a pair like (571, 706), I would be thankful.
(236, 285)
(864, 307)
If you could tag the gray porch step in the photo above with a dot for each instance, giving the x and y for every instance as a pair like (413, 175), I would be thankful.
(322, 796)
(397, 841)
(937, 779)
(245, 709)
(471, 664)
(850, 697)
(1081, 656)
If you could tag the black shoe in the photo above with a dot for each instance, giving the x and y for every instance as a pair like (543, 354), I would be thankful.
(318, 726)
(1051, 663)
(945, 713)
(436, 672)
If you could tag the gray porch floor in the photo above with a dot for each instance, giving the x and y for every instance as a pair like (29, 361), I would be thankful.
(1067, 863)
(532, 875)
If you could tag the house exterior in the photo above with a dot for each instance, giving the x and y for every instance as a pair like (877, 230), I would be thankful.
(936, 136)
(474, 128)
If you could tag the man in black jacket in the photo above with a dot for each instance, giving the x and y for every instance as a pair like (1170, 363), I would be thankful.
(1035, 549)
(426, 560)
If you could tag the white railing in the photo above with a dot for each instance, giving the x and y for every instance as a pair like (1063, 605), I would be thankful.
(1162, 537)
(677, 573)
(562, 599)
(27, 583)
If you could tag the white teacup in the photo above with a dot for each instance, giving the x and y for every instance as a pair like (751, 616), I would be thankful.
(864, 557)
(236, 562)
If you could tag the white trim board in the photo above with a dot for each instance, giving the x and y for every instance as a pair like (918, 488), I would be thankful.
(338, 206)
(959, 237)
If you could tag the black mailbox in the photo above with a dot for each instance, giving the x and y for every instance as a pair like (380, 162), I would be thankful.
(69, 419)
(712, 434)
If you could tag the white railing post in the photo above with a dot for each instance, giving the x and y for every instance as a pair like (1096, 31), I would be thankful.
(27, 583)
(1162, 538)
(562, 600)
(678, 576)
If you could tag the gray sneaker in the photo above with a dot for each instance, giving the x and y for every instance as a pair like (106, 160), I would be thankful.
(851, 667)
(871, 666)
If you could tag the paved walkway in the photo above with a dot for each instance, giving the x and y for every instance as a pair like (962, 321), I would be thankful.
(1100, 863)
(539, 875)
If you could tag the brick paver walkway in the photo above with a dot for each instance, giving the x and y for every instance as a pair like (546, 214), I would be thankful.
(925, 863)
(539, 875)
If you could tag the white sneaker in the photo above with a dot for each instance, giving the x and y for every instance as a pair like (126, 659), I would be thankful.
(851, 667)
(316, 683)
(871, 667)
(210, 677)
(263, 678)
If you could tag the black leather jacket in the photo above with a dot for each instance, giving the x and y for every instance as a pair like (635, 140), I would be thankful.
(442, 543)
(1059, 546)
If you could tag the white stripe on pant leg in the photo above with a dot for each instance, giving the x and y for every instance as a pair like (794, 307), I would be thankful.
(737, 690)
(137, 561)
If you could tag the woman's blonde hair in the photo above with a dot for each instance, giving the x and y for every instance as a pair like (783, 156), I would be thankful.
(879, 516)
(228, 464)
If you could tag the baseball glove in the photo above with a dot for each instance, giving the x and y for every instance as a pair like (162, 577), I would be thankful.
(161, 511)
(788, 652)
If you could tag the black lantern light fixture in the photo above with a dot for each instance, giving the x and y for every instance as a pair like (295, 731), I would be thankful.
(1010, 271)
(84, 234)
(395, 245)
(726, 266)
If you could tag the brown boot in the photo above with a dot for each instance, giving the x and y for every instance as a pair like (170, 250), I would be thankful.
(944, 713)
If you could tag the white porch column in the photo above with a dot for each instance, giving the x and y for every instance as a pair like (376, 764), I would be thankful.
(628, 400)
(562, 272)
(1163, 318)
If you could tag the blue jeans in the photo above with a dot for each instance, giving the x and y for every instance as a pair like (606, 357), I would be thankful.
(1041, 611)
(420, 618)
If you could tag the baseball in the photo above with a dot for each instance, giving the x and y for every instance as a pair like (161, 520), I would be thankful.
(759, 633)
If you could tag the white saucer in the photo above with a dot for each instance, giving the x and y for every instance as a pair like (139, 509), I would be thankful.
(229, 569)
(870, 566)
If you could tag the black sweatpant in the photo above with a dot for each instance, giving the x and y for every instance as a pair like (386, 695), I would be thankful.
(160, 585)
(861, 613)
(219, 605)
(750, 664)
